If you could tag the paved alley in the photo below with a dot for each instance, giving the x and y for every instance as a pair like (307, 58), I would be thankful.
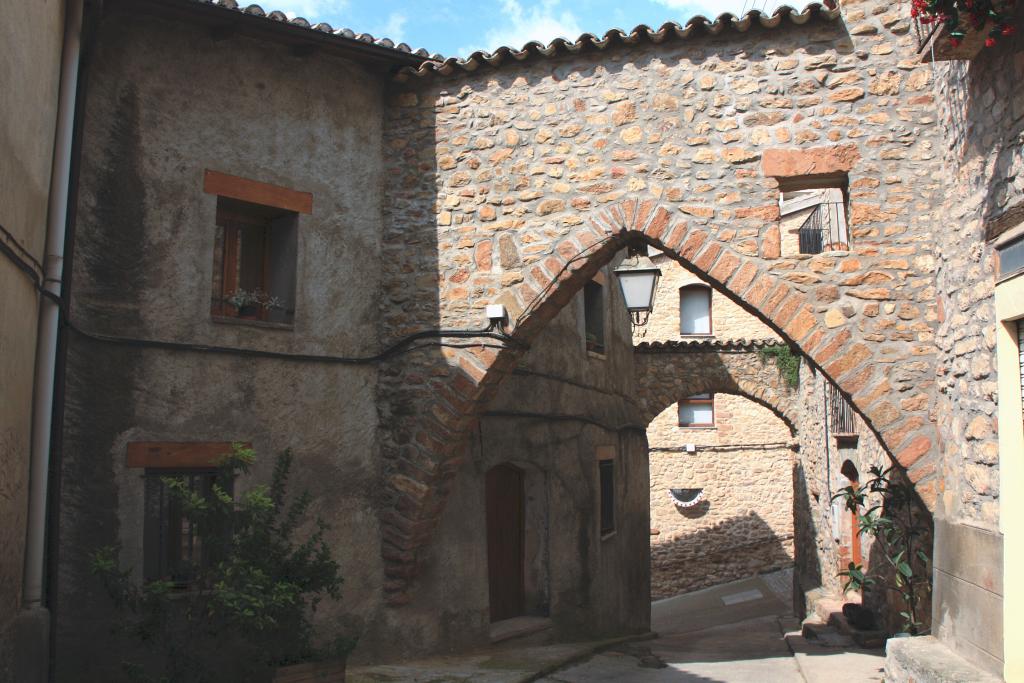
(734, 633)
(738, 632)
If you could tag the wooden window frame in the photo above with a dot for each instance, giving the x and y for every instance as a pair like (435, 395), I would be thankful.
(690, 400)
(259, 209)
(232, 224)
(693, 287)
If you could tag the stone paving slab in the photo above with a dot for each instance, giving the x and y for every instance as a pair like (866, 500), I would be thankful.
(519, 665)
(751, 651)
(832, 659)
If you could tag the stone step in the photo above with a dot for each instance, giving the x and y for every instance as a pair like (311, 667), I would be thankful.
(830, 611)
(521, 631)
(816, 631)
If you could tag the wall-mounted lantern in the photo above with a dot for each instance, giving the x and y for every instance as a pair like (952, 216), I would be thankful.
(638, 278)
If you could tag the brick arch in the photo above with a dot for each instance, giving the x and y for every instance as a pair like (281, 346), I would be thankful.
(666, 373)
(421, 465)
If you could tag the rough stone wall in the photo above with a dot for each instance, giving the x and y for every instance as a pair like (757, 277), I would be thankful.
(729, 319)
(981, 113)
(744, 525)
(513, 173)
(30, 68)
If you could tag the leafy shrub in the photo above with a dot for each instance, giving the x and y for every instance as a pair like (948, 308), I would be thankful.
(248, 604)
(786, 361)
(885, 507)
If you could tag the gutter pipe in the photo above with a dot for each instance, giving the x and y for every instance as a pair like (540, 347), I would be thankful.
(49, 310)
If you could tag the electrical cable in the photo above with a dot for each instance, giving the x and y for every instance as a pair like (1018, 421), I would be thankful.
(726, 447)
(540, 295)
(556, 417)
(26, 263)
(394, 349)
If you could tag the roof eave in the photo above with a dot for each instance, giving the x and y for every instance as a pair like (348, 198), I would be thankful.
(226, 21)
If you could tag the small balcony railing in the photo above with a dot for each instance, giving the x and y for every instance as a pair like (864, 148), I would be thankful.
(824, 229)
(840, 412)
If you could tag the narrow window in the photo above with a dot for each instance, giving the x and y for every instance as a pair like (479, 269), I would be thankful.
(840, 412)
(697, 411)
(254, 262)
(1011, 257)
(172, 545)
(606, 470)
(593, 316)
(823, 208)
(695, 309)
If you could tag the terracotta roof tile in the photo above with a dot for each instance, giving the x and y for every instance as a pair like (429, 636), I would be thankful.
(322, 27)
(698, 345)
(588, 41)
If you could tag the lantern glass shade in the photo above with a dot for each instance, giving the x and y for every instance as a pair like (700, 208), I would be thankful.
(638, 278)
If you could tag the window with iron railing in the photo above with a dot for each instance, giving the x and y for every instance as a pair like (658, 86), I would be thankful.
(841, 419)
(824, 228)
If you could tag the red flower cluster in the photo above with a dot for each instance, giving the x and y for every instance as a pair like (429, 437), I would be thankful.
(961, 16)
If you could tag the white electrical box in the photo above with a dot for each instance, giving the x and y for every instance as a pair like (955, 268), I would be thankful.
(496, 312)
(691, 448)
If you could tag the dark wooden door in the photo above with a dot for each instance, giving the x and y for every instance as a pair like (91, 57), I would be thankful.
(505, 541)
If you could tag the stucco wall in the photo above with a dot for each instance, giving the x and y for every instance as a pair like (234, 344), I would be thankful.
(143, 268)
(29, 67)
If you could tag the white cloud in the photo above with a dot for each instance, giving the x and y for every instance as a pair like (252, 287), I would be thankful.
(393, 28)
(541, 21)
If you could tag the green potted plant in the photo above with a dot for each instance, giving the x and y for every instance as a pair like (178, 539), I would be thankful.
(887, 510)
(245, 613)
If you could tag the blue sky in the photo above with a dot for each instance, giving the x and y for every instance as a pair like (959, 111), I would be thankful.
(457, 27)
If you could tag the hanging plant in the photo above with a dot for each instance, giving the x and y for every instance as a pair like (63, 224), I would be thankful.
(960, 16)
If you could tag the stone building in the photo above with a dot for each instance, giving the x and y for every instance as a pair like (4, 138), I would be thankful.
(399, 194)
(746, 474)
(731, 514)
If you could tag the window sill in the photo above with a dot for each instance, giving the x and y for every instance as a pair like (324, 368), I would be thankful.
(684, 335)
(698, 427)
(596, 354)
(605, 537)
(226, 320)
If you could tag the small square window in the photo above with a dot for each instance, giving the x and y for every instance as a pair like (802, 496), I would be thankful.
(697, 411)
(254, 262)
(822, 206)
(593, 316)
(606, 471)
(172, 547)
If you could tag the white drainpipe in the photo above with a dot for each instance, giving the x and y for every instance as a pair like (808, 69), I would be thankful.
(49, 311)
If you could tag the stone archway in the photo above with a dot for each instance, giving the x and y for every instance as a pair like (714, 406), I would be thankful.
(792, 300)
(666, 372)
